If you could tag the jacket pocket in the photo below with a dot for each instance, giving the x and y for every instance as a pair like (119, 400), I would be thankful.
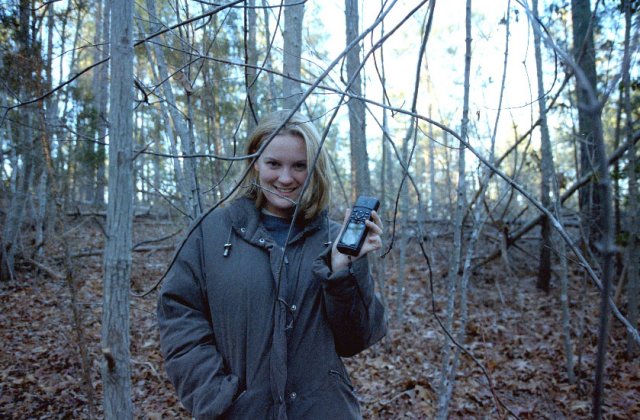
(252, 403)
(235, 406)
(238, 398)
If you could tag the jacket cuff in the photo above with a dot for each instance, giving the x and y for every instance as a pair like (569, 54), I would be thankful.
(344, 281)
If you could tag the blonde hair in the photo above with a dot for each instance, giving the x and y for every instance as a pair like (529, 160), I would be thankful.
(318, 193)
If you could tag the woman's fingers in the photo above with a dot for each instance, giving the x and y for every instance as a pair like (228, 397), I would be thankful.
(376, 219)
(374, 236)
(375, 225)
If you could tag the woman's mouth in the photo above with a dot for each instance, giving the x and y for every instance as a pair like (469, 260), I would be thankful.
(285, 191)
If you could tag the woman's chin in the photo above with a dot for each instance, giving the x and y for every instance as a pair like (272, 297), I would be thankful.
(281, 207)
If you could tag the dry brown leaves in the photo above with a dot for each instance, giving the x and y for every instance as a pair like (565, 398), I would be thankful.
(519, 342)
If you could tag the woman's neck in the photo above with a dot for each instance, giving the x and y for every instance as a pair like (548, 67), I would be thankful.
(268, 213)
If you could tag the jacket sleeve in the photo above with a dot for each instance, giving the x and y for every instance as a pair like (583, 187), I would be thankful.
(192, 361)
(355, 313)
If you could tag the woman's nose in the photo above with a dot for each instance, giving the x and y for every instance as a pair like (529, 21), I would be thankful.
(285, 175)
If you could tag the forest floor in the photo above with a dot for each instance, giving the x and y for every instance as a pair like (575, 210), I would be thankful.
(514, 331)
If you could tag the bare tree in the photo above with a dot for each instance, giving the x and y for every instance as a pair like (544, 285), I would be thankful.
(591, 106)
(186, 173)
(546, 162)
(444, 393)
(584, 52)
(24, 62)
(101, 93)
(433, 193)
(544, 266)
(291, 88)
(49, 120)
(547, 178)
(357, 123)
(251, 58)
(633, 252)
(116, 366)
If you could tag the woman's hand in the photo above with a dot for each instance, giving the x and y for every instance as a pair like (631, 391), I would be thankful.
(373, 241)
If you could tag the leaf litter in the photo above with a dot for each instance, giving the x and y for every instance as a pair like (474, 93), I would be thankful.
(519, 342)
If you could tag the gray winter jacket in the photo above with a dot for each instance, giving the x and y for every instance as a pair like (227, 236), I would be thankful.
(236, 348)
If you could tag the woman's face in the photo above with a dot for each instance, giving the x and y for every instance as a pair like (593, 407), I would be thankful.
(282, 169)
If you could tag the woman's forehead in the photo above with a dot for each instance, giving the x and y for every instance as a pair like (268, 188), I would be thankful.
(286, 146)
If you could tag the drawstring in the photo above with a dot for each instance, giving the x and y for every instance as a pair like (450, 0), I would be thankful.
(227, 246)
(326, 218)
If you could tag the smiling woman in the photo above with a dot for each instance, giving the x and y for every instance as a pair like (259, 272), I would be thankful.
(282, 169)
(283, 136)
(258, 308)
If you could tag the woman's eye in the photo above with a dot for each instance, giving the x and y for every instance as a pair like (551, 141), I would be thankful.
(300, 166)
(272, 164)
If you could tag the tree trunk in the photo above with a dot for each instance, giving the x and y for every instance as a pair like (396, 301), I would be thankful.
(100, 103)
(433, 194)
(380, 264)
(357, 123)
(41, 200)
(251, 58)
(116, 367)
(546, 181)
(584, 52)
(454, 263)
(546, 162)
(169, 132)
(602, 193)
(49, 116)
(603, 190)
(403, 235)
(187, 175)
(18, 201)
(273, 91)
(633, 264)
(24, 146)
(448, 151)
(293, 16)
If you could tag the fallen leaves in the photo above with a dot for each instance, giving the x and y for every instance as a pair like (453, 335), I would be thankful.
(519, 342)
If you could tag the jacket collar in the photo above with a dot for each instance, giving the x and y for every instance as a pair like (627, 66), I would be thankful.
(245, 218)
